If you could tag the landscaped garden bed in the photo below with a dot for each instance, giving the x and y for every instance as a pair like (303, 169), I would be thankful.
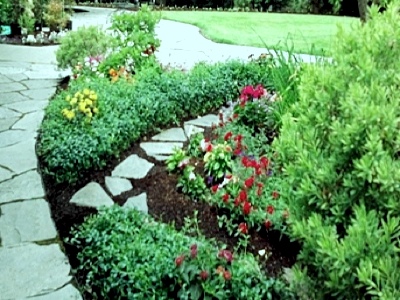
(301, 153)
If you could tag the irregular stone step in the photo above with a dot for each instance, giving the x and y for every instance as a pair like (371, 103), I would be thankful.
(5, 124)
(21, 187)
(6, 113)
(30, 122)
(11, 137)
(117, 185)
(32, 270)
(206, 121)
(91, 195)
(20, 157)
(172, 135)
(27, 106)
(69, 292)
(163, 148)
(26, 221)
(138, 202)
(192, 130)
(132, 167)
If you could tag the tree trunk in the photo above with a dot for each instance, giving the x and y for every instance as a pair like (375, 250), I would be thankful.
(363, 9)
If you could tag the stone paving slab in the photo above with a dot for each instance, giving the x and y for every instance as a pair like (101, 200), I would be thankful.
(6, 113)
(5, 174)
(5, 124)
(39, 94)
(26, 221)
(25, 152)
(12, 98)
(172, 134)
(91, 195)
(29, 270)
(132, 167)
(27, 106)
(34, 84)
(206, 121)
(22, 187)
(117, 185)
(138, 202)
(12, 87)
(11, 137)
(192, 130)
(69, 292)
(30, 122)
(154, 148)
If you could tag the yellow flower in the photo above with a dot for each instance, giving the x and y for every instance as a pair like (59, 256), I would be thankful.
(86, 92)
(68, 98)
(95, 110)
(82, 106)
(77, 95)
(73, 101)
(70, 115)
(88, 102)
(89, 114)
(93, 97)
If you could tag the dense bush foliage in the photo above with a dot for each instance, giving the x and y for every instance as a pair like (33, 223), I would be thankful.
(127, 255)
(339, 149)
(126, 110)
(84, 42)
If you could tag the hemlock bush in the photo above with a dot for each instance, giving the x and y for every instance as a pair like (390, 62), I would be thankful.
(339, 150)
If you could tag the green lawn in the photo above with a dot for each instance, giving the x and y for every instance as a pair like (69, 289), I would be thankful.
(260, 29)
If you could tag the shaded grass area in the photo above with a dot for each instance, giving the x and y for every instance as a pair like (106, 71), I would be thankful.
(311, 34)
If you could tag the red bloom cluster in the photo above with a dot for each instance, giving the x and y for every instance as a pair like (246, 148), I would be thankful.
(193, 251)
(226, 254)
(250, 92)
(179, 260)
(243, 228)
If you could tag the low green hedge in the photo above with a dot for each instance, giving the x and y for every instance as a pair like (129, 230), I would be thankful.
(125, 254)
(68, 148)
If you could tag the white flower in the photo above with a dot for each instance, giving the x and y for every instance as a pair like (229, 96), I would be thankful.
(183, 163)
(192, 176)
(87, 59)
(87, 64)
(261, 252)
(101, 75)
(130, 44)
(144, 54)
(94, 69)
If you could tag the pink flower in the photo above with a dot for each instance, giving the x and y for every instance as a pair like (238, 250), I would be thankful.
(203, 275)
(179, 260)
(193, 251)
(226, 254)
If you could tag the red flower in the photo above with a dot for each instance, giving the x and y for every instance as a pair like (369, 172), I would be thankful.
(193, 251)
(226, 254)
(237, 151)
(243, 228)
(237, 202)
(275, 195)
(209, 148)
(203, 275)
(228, 176)
(245, 161)
(270, 209)
(267, 224)
(227, 275)
(238, 138)
(258, 171)
(246, 208)
(228, 135)
(214, 188)
(259, 191)
(235, 116)
(249, 182)
(179, 260)
(264, 162)
(242, 196)
(225, 198)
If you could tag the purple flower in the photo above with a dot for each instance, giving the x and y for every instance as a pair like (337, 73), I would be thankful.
(210, 180)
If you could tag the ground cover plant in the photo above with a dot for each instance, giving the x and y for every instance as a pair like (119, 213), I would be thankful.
(307, 33)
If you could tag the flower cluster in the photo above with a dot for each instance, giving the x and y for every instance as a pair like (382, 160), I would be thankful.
(119, 73)
(84, 102)
(89, 67)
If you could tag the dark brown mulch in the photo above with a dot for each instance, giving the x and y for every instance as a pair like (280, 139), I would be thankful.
(166, 204)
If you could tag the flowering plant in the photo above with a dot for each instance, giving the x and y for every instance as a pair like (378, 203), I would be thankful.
(218, 159)
(192, 184)
(178, 160)
(82, 103)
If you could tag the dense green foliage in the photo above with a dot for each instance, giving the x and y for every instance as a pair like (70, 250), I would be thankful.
(126, 111)
(339, 150)
(125, 254)
(82, 43)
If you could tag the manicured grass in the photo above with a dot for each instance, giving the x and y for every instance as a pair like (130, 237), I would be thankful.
(260, 29)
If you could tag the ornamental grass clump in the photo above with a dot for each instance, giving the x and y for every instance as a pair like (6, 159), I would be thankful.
(339, 150)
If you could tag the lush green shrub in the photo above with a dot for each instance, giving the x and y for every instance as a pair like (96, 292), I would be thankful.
(339, 149)
(127, 255)
(82, 43)
(68, 147)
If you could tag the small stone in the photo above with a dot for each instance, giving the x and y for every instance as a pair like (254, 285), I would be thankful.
(91, 195)
(68, 292)
(206, 121)
(172, 134)
(138, 202)
(117, 186)
(22, 187)
(132, 167)
(32, 270)
(26, 221)
(192, 130)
